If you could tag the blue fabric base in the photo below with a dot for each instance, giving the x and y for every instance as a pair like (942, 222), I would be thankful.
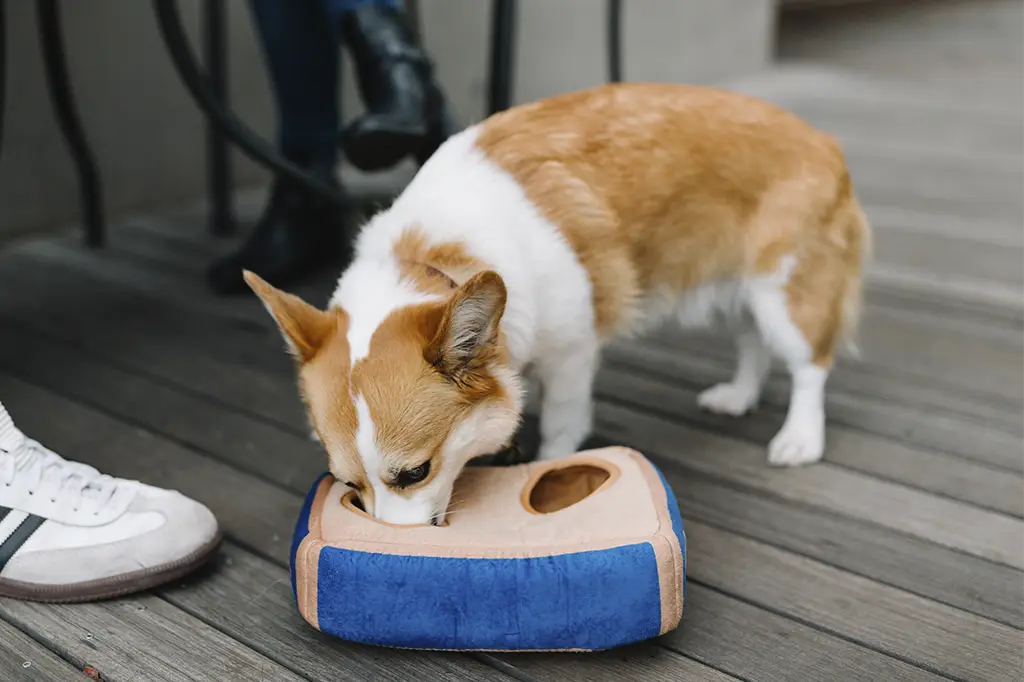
(588, 600)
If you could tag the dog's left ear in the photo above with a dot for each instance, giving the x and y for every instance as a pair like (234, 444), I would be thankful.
(305, 328)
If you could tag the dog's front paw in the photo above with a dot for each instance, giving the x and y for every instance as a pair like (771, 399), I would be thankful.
(734, 400)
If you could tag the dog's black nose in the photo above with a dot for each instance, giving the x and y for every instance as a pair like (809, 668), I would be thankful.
(433, 522)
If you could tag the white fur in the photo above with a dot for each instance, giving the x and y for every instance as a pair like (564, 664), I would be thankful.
(756, 309)
(387, 505)
(742, 394)
(802, 437)
(461, 196)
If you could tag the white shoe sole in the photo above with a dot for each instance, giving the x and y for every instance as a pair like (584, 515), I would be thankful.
(114, 586)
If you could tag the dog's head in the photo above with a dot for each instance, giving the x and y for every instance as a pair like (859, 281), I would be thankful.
(433, 391)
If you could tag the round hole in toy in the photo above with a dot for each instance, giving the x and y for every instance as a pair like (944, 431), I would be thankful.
(561, 487)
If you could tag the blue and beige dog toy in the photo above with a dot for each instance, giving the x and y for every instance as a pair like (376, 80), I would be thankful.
(578, 554)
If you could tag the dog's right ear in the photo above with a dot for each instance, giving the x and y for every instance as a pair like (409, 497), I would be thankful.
(467, 335)
(305, 328)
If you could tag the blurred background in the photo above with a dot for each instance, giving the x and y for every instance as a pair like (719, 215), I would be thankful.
(148, 135)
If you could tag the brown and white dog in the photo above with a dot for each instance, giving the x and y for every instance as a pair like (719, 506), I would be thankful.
(531, 239)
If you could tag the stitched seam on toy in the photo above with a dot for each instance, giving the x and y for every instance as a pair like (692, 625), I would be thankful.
(312, 544)
(670, 537)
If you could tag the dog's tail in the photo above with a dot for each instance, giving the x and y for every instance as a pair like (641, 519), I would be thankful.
(857, 232)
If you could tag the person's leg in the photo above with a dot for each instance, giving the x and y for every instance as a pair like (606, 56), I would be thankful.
(297, 233)
(406, 113)
(69, 533)
(302, 59)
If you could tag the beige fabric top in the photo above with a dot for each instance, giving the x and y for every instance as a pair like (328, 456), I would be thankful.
(490, 520)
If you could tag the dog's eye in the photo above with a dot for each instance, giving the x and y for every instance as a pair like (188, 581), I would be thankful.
(413, 475)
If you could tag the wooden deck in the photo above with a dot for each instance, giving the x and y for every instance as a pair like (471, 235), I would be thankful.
(900, 557)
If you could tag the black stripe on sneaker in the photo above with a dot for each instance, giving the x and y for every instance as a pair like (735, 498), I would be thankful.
(19, 537)
(4, 511)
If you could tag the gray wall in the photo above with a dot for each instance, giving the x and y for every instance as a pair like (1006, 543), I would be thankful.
(149, 137)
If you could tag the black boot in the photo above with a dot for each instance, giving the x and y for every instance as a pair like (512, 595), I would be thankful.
(406, 112)
(296, 235)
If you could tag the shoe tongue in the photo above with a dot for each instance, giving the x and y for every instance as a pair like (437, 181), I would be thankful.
(11, 439)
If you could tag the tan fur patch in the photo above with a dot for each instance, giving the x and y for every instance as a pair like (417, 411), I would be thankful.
(326, 390)
(434, 268)
(413, 404)
(664, 187)
(413, 408)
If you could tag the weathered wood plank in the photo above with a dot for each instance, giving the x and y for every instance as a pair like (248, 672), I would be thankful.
(736, 635)
(885, 618)
(974, 308)
(824, 87)
(946, 475)
(916, 349)
(960, 258)
(285, 458)
(142, 638)
(862, 403)
(859, 121)
(148, 333)
(985, 534)
(635, 662)
(22, 659)
(919, 567)
(94, 436)
(152, 281)
(970, 186)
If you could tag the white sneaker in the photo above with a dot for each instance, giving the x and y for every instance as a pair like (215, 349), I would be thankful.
(69, 533)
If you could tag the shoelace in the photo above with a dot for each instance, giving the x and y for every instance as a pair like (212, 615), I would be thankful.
(43, 472)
